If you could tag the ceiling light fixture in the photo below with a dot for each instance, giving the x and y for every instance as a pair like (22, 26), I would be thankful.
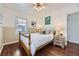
(39, 6)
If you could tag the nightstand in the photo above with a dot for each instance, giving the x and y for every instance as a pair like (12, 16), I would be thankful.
(60, 41)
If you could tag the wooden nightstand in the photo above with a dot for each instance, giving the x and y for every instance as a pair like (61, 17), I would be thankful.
(60, 41)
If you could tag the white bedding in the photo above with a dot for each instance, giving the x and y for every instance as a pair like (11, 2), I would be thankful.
(37, 40)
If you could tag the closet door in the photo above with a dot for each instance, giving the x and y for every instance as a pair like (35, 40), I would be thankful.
(73, 27)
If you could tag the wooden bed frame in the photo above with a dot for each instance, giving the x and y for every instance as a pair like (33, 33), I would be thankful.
(27, 49)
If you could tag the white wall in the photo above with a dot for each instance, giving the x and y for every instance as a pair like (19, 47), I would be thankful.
(9, 16)
(9, 29)
(57, 16)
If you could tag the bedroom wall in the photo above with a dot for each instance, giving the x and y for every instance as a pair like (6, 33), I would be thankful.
(58, 16)
(9, 29)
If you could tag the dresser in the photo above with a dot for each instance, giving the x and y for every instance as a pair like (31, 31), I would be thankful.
(60, 41)
(1, 38)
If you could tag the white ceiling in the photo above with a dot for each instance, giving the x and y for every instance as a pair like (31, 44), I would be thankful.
(27, 7)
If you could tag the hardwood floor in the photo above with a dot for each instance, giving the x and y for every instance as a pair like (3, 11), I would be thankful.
(71, 49)
(12, 50)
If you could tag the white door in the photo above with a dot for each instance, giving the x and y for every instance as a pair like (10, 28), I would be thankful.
(73, 27)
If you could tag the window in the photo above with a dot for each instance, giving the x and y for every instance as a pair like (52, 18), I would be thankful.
(21, 25)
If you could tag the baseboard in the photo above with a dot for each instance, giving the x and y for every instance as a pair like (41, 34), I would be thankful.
(7, 44)
(10, 42)
(74, 42)
(1, 49)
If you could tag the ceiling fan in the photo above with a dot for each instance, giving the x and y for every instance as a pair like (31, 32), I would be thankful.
(39, 6)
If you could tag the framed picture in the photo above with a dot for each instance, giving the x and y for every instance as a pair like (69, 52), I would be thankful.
(47, 20)
(33, 24)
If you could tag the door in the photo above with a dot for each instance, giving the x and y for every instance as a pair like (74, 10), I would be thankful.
(73, 27)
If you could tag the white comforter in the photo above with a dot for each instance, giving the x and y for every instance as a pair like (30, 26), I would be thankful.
(37, 40)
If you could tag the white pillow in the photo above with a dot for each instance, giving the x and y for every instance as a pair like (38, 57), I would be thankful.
(47, 31)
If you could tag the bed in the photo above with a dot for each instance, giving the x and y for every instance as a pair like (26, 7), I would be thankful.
(34, 41)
